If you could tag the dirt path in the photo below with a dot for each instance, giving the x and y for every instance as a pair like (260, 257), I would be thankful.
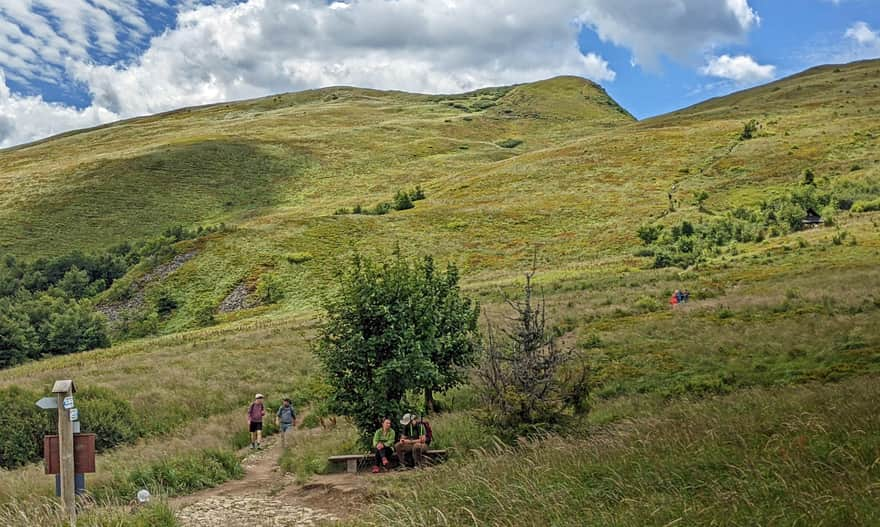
(265, 497)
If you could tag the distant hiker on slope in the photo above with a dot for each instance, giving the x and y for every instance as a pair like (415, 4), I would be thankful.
(256, 412)
(383, 443)
(673, 300)
(285, 418)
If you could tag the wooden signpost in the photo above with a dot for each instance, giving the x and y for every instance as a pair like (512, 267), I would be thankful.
(63, 391)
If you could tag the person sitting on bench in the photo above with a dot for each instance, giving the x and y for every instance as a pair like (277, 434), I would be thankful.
(413, 439)
(382, 441)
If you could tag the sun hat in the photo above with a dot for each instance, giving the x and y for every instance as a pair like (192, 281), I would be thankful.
(407, 419)
(258, 396)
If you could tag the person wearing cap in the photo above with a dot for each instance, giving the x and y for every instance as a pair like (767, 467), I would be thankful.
(382, 441)
(413, 438)
(285, 418)
(256, 412)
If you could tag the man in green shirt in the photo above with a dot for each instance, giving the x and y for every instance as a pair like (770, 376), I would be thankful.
(413, 439)
(383, 440)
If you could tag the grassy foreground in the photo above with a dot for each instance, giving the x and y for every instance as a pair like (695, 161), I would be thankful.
(795, 456)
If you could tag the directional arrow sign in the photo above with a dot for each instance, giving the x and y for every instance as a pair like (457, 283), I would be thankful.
(48, 403)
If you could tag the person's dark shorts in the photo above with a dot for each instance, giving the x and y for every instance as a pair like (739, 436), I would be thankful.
(256, 426)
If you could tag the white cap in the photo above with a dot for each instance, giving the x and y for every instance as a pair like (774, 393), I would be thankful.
(258, 396)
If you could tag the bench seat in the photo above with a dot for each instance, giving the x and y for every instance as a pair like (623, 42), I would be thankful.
(353, 461)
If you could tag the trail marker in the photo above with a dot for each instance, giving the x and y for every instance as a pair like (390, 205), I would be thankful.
(74, 414)
(48, 403)
(68, 402)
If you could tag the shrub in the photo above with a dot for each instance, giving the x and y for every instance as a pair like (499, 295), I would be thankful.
(866, 206)
(204, 315)
(417, 194)
(402, 201)
(165, 303)
(109, 416)
(298, 257)
(22, 427)
(509, 143)
(749, 130)
(310, 421)
(269, 289)
(182, 474)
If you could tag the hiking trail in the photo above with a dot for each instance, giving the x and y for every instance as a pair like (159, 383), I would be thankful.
(266, 497)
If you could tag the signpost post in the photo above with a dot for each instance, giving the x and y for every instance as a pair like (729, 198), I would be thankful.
(64, 391)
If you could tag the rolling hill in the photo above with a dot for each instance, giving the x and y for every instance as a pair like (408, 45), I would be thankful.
(556, 166)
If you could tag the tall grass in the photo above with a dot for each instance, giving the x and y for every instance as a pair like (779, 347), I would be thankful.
(798, 456)
(49, 513)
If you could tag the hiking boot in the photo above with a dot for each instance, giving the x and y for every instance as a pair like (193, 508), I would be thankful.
(376, 469)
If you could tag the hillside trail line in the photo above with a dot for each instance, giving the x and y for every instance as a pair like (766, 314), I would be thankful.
(267, 497)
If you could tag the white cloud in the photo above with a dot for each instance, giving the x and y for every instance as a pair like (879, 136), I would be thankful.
(742, 69)
(233, 50)
(38, 36)
(862, 33)
(24, 119)
(675, 28)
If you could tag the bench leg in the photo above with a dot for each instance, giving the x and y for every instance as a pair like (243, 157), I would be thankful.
(351, 466)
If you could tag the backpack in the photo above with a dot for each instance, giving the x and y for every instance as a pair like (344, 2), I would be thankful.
(429, 434)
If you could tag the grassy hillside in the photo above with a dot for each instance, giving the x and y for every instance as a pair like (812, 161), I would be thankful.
(791, 309)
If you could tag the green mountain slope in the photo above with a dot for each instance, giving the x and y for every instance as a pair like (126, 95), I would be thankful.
(583, 179)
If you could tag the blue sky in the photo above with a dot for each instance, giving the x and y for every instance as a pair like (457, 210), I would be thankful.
(68, 64)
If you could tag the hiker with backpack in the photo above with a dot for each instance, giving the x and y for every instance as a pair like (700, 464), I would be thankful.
(256, 412)
(285, 418)
(413, 439)
(383, 440)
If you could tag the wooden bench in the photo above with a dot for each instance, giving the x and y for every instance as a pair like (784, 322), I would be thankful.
(354, 461)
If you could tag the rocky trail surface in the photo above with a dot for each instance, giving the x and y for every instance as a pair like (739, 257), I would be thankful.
(266, 497)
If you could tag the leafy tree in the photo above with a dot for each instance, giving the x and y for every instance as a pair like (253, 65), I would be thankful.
(77, 328)
(394, 326)
(17, 337)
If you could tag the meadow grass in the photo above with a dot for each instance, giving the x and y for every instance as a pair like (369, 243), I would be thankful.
(789, 456)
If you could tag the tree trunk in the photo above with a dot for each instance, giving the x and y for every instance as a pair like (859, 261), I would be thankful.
(429, 401)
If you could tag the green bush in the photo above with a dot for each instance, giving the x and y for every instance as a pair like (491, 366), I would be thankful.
(299, 257)
(866, 206)
(22, 427)
(269, 289)
(108, 416)
(509, 143)
(402, 201)
(173, 476)
(310, 421)
(749, 130)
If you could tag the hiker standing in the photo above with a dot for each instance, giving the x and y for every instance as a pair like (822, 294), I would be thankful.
(383, 441)
(256, 412)
(673, 300)
(413, 438)
(285, 418)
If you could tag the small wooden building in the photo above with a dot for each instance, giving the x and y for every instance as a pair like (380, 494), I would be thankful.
(812, 220)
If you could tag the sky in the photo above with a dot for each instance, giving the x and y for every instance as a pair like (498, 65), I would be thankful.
(67, 64)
